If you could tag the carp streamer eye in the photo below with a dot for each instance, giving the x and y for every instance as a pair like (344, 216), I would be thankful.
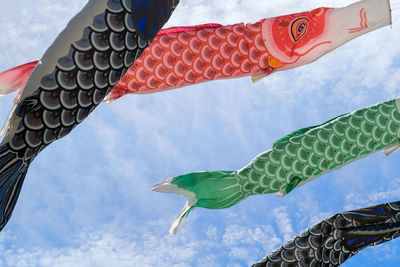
(299, 28)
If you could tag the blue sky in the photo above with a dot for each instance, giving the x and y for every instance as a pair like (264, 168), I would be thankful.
(86, 200)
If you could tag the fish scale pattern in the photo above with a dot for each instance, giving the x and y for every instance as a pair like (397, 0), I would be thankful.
(336, 239)
(80, 81)
(314, 151)
(296, 158)
(77, 73)
(194, 56)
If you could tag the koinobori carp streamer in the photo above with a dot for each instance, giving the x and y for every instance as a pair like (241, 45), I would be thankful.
(74, 75)
(183, 56)
(336, 239)
(293, 161)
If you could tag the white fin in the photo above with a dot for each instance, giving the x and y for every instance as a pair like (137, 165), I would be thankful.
(164, 186)
(107, 99)
(258, 76)
(280, 194)
(6, 124)
(389, 150)
(167, 187)
(180, 219)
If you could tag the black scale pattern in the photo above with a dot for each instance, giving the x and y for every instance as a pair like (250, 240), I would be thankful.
(80, 81)
(334, 240)
(65, 97)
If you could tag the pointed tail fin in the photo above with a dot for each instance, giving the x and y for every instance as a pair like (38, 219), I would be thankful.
(212, 190)
(12, 174)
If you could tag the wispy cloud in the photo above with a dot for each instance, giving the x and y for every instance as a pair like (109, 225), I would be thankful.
(87, 201)
(374, 197)
(282, 219)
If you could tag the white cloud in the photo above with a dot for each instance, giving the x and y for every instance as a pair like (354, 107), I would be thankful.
(212, 233)
(28, 30)
(283, 222)
(101, 174)
(377, 196)
(113, 247)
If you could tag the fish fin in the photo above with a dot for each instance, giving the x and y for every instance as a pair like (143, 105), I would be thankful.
(180, 218)
(167, 187)
(292, 185)
(391, 149)
(258, 76)
(261, 75)
(293, 134)
(212, 190)
(280, 194)
(29, 104)
(6, 124)
(12, 174)
(108, 99)
(302, 131)
(180, 29)
(15, 79)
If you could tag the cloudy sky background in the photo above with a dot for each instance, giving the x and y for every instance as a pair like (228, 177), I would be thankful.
(86, 200)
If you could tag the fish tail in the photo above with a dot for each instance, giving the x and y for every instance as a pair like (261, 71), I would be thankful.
(12, 174)
(212, 190)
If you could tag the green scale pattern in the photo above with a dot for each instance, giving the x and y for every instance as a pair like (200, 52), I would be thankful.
(320, 149)
(293, 161)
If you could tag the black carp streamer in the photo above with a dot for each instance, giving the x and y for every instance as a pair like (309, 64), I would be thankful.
(336, 239)
(74, 75)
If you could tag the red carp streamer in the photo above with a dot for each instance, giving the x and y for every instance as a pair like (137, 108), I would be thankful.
(182, 56)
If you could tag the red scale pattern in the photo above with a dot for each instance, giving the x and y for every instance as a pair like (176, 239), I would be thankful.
(194, 55)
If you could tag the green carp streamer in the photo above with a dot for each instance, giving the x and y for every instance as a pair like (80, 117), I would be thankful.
(293, 161)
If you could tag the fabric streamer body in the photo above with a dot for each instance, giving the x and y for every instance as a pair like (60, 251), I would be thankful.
(189, 57)
(213, 52)
(294, 160)
(182, 56)
(74, 75)
(336, 239)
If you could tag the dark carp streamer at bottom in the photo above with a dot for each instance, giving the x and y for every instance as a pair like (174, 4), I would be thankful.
(338, 238)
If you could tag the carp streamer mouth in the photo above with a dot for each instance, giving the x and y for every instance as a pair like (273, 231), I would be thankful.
(280, 63)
